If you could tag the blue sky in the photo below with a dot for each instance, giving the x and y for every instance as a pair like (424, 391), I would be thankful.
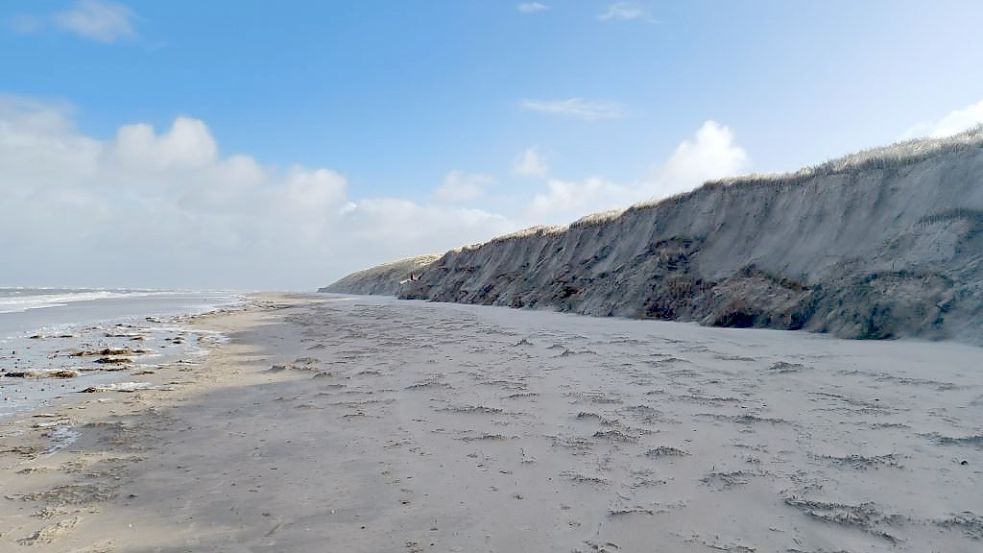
(397, 97)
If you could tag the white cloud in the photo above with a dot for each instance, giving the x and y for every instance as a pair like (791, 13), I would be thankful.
(164, 207)
(580, 108)
(461, 187)
(99, 20)
(532, 7)
(187, 144)
(624, 11)
(530, 163)
(953, 123)
(565, 200)
(710, 154)
(412, 229)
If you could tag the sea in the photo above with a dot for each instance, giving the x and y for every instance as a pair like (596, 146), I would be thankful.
(49, 331)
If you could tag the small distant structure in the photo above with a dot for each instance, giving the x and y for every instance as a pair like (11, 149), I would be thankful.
(412, 278)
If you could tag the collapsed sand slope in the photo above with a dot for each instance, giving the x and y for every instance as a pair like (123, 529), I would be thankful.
(881, 244)
(375, 425)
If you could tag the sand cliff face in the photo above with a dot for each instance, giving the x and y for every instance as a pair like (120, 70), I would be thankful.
(881, 244)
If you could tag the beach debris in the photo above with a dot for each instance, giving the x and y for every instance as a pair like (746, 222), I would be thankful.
(62, 373)
(18, 374)
(117, 387)
(293, 367)
(113, 360)
(107, 352)
(120, 334)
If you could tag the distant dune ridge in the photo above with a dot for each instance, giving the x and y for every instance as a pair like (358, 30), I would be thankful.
(383, 280)
(880, 244)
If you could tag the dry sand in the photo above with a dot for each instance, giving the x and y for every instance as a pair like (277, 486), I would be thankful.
(370, 424)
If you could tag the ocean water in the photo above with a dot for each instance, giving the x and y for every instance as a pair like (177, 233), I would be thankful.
(43, 329)
(25, 309)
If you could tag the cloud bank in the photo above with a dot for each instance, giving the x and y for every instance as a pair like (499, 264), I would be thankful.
(166, 207)
(155, 208)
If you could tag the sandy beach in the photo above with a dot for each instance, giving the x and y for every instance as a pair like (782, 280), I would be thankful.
(333, 423)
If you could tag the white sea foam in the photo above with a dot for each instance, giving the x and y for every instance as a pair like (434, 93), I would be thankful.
(16, 300)
(37, 341)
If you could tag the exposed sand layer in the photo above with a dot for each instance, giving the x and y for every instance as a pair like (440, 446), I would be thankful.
(879, 244)
(368, 424)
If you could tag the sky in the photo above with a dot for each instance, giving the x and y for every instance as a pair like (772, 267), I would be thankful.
(256, 145)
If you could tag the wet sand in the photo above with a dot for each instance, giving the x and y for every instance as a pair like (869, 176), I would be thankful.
(367, 424)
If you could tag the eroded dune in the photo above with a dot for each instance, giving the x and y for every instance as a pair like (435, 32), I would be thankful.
(880, 244)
